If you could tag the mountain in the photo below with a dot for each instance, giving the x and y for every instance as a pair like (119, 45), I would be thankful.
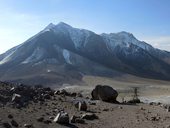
(64, 54)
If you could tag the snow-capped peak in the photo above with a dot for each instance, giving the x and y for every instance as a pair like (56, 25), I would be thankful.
(124, 39)
(50, 26)
(62, 24)
(123, 33)
(78, 36)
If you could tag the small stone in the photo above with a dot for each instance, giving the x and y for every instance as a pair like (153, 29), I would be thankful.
(47, 96)
(164, 106)
(82, 106)
(87, 97)
(10, 116)
(73, 119)
(106, 109)
(89, 116)
(141, 108)
(6, 125)
(79, 120)
(12, 89)
(57, 92)
(155, 118)
(151, 103)
(14, 123)
(40, 119)
(28, 125)
(168, 109)
(79, 95)
(158, 103)
(62, 118)
(47, 121)
(16, 98)
(120, 107)
(73, 94)
(92, 103)
(51, 117)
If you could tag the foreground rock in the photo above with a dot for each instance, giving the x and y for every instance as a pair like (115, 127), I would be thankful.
(41, 114)
(6, 125)
(62, 118)
(28, 126)
(104, 93)
(82, 106)
(16, 98)
(134, 101)
(65, 93)
(75, 119)
(14, 123)
(89, 116)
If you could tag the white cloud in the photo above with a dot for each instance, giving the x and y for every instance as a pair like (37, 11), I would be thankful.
(162, 42)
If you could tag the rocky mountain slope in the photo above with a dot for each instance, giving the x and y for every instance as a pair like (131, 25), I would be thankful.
(61, 53)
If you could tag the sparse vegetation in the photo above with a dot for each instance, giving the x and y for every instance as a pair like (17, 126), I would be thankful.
(135, 96)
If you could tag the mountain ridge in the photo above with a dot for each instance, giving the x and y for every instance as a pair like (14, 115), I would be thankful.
(84, 52)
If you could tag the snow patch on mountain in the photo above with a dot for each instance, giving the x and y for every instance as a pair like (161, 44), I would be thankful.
(7, 58)
(66, 55)
(35, 56)
(48, 70)
(79, 37)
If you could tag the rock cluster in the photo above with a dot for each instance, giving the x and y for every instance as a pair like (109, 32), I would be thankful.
(65, 93)
(21, 95)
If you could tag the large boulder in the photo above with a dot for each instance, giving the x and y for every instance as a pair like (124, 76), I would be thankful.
(104, 93)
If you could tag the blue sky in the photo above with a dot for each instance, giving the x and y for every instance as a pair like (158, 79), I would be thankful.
(148, 20)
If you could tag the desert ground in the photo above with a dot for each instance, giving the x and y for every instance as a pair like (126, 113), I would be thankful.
(149, 114)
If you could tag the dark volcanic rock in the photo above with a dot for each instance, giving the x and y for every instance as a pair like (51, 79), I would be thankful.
(6, 125)
(14, 123)
(28, 125)
(21, 95)
(65, 93)
(47, 96)
(73, 119)
(47, 121)
(82, 106)
(40, 119)
(134, 101)
(10, 116)
(76, 119)
(62, 118)
(79, 120)
(89, 116)
(16, 98)
(104, 93)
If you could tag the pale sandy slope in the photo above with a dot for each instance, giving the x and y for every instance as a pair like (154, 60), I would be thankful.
(149, 90)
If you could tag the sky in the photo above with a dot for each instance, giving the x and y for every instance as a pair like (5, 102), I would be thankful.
(147, 20)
